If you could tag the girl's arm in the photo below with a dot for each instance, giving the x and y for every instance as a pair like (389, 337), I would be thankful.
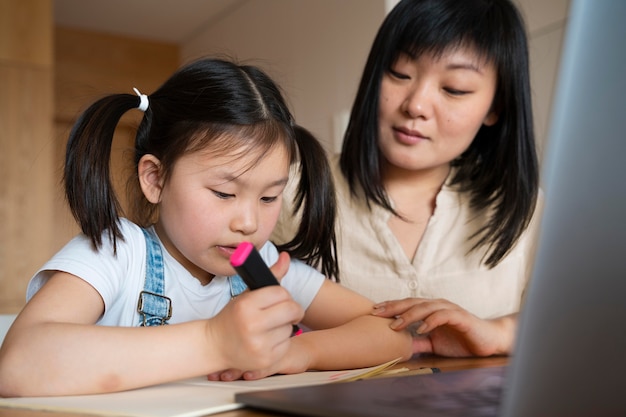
(362, 342)
(345, 335)
(54, 348)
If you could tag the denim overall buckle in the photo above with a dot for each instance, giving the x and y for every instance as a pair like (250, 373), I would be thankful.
(151, 306)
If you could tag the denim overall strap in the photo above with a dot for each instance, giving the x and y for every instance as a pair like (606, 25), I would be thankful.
(153, 306)
(237, 286)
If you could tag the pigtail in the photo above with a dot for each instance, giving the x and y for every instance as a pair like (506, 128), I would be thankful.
(315, 241)
(87, 180)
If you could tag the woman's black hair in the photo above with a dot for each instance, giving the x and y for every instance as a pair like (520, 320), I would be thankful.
(500, 168)
(209, 102)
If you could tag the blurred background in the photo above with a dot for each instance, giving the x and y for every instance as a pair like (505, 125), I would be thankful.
(57, 56)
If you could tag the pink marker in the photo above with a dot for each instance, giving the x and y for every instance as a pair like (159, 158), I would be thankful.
(255, 273)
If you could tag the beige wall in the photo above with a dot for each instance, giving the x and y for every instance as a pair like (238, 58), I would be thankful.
(314, 49)
(546, 20)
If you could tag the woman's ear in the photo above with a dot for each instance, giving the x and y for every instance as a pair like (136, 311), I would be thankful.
(150, 177)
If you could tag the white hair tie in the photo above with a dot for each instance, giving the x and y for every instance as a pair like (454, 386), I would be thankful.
(143, 100)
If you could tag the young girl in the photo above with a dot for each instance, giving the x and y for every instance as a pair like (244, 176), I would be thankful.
(437, 181)
(126, 305)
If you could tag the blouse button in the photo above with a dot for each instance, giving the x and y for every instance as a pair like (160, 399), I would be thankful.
(412, 285)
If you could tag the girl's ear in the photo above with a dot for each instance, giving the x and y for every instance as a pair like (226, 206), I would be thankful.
(150, 177)
(491, 118)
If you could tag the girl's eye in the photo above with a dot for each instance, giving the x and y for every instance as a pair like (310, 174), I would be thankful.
(221, 195)
(455, 92)
(268, 199)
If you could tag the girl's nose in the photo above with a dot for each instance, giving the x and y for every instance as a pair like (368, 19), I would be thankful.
(244, 220)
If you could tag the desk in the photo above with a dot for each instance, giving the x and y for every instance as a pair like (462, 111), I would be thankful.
(445, 364)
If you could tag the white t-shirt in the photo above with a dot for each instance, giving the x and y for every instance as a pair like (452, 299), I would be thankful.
(120, 278)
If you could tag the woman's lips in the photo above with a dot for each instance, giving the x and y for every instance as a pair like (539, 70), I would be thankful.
(408, 136)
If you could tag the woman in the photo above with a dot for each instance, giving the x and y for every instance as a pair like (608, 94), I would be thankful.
(437, 181)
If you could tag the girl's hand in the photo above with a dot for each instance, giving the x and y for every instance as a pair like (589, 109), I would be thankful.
(296, 360)
(264, 325)
(444, 328)
(253, 331)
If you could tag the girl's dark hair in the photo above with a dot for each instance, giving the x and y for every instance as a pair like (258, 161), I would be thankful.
(500, 168)
(210, 102)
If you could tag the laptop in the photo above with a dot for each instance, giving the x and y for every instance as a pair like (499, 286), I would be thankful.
(570, 355)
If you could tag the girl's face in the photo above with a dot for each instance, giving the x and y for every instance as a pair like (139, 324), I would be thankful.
(431, 108)
(211, 203)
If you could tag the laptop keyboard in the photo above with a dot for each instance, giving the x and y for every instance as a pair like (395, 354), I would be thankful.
(481, 401)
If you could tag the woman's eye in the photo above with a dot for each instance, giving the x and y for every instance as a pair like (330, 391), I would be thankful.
(221, 195)
(398, 75)
(268, 199)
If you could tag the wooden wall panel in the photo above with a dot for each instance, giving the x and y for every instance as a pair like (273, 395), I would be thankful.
(26, 32)
(27, 187)
(90, 64)
(26, 145)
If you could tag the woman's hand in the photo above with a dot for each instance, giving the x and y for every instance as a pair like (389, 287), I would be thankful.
(443, 328)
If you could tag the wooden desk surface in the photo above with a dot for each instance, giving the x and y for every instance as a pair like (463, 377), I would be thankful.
(444, 364)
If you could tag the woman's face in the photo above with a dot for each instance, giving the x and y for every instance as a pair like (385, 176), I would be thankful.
(432, 107)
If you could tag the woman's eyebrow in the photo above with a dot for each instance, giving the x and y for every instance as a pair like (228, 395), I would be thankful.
(465, 66)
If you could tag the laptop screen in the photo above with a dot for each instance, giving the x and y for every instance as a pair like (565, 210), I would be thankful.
(571, 347)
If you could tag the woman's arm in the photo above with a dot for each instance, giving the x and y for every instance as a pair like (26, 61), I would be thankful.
(54, 348)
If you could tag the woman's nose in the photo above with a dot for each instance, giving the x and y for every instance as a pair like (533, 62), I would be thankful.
(418, 102)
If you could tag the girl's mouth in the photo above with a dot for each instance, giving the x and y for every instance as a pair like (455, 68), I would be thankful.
(226, 250)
